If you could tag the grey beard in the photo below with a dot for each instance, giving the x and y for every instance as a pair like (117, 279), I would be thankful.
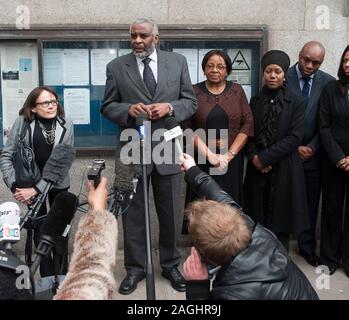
(146, 53)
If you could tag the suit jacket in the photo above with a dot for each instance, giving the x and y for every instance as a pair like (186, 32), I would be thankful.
(311, 130)
(64, 134)
(125, 86)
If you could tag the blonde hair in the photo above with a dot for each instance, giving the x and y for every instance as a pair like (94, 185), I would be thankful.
(218, 230)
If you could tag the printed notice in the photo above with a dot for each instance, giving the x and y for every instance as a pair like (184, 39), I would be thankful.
(53, 67)
(77, 105)
(75, 67)
(99, 60)
(192, 60)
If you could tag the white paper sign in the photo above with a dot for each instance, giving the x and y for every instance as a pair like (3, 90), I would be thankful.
(53, 67)
(77, 105)
(75, 67)
(99, 60)
(192, 60)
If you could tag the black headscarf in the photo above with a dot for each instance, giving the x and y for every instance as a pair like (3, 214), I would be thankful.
(278, 57)
(343, 78)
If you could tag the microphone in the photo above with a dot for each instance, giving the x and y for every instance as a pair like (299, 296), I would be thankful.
(55, 170)
(140, 125)
(125, 185)
(92, 264)
(174, 132)
(59, 163)
(57, 223)
(9, 223)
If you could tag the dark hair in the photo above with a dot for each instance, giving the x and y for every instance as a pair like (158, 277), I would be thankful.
(341, 74)
(220, 53)
(30, 103)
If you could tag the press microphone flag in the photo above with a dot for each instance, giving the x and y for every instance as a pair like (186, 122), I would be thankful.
(174, 132)
(9, 222)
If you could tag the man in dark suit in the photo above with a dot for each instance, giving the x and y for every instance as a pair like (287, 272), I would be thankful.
(306, 80)
(156, 83)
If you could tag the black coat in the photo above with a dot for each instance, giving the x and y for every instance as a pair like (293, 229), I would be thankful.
(288, 206)
(334, 122)
(263, 271)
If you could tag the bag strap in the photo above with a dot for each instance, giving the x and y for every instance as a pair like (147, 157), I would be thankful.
(23, 131)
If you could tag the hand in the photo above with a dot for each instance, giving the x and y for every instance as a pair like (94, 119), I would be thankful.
(213, 159)
(266, 169)
(223, 161)
(25, 194)
(136, 109)
(257, 162)
(187, 162)
(344, 164)
(97, 198)
(305, 152)
(194, 268)
(159, 110)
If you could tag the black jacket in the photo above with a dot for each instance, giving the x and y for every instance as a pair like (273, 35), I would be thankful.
(334, 122)
(285, 183)
(263, 271)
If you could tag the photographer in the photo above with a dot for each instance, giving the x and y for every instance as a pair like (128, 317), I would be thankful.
(90, 274)
(253, 263)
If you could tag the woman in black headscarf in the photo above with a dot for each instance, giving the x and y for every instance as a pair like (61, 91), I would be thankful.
(274, 189)
(334, 134)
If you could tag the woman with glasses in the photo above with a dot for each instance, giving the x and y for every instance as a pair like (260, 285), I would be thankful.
(274, 186)
(334, 135)
(225, 118)
(46, 127)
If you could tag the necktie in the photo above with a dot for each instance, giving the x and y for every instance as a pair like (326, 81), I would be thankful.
(306, 89)
(148, 76)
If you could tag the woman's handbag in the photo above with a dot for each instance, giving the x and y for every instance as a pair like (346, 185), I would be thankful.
(27, 173)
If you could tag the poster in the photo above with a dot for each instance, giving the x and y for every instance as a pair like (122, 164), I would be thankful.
(53, 67)
(241, 64)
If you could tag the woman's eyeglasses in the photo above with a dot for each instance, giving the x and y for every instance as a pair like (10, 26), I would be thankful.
(46, 104)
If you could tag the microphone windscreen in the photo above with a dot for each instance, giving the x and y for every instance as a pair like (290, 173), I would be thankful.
(140, 119)
(58, 165)
(60, 214)
(124, 174)
(170, 123)
(9, 213)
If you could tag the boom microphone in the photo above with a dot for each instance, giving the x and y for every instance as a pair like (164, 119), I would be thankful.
(57, 224)
(140, 125)
(59, 163)
(125, 184)
(174, 132)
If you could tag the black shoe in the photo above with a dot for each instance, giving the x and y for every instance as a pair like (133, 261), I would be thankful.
(311, 258)
(175, 277)
(129, 284)
(332, 270)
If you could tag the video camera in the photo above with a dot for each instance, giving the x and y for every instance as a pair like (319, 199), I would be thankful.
(98, 165)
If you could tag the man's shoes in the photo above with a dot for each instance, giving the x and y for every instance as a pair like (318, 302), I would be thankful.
(332, 270)
(175, 277)
(129, 284)
(311, 258)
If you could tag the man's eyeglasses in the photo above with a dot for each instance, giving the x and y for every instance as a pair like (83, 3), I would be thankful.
(46, 104)
(219, 67)
(314, 62)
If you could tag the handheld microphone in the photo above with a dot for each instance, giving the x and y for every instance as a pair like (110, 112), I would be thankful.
(57, 224)
(140, 125)
(174, 132)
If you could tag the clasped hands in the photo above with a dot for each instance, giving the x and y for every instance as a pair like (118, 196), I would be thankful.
(344, 164)
(256, 161)
(154, 111)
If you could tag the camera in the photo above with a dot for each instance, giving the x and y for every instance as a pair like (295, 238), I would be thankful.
(95, 172)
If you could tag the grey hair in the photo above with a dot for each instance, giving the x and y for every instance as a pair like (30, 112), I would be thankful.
(144, 20)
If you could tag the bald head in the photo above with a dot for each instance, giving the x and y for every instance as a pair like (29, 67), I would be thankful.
(311, 57)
